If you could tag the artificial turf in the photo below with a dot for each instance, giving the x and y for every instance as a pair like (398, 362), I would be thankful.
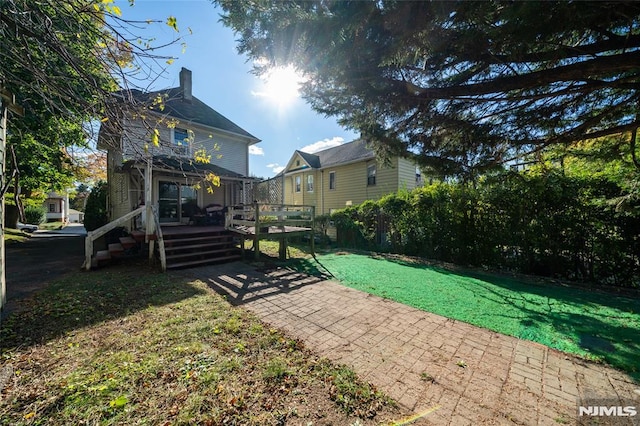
(594, 325)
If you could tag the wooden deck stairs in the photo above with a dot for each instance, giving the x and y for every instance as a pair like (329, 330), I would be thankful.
(199, 246)
(184, 247)
(126, 247)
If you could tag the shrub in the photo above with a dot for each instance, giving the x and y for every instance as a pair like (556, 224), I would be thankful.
(34, 215)
(95, 214)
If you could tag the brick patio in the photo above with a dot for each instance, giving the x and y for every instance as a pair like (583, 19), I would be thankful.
(458, 373)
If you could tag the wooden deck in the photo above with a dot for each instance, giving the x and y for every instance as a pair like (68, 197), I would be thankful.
(177, 230)
(275, 231)
(271, 221)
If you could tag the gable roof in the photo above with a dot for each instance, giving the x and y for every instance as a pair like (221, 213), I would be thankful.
(194, 111)
(349, 152)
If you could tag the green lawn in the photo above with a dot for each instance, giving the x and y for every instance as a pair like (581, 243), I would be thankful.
(129, 345)
(590, 324)
(12, 236)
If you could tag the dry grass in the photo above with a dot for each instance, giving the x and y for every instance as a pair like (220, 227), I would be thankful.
(130, 346)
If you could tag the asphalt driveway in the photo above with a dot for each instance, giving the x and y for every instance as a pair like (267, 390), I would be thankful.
(47, 255)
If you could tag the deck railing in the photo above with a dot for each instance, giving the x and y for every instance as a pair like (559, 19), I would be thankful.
(262, 216)
(279, 221)
(97, 233)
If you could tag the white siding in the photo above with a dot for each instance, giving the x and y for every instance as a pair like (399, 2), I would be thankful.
(226, 150)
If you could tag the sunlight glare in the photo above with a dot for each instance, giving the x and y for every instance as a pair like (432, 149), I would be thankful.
(282, 85)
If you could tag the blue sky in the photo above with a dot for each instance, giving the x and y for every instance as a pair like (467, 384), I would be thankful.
(222, 79)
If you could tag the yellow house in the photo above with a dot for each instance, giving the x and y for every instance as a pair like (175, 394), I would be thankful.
(342, 176)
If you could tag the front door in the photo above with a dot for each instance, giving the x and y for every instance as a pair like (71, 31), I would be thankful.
(176, 202)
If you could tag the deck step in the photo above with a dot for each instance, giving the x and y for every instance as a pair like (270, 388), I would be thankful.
(201, 253)
(102, 257)
(115, 250)
(203, 261)
(128, 242)
(175, 241)
(199, 246)
(138, 235)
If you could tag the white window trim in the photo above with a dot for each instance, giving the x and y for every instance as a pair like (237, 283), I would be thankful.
(185, 148)
(375, 174)
(335, 182)
(297, 188)
(312, 183)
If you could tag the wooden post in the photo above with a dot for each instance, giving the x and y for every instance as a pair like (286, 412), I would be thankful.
(256, 241)
(7, 103)
(282, 252)
(3, 151)
(149, 218)
(88, 251)
(313, 231)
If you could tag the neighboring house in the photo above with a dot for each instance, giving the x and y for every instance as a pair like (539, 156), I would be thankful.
(57, 207)
(182, 126)
(76, 216)
(342, 176)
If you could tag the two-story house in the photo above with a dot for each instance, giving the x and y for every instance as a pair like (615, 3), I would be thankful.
(342, 176)
(166, 134)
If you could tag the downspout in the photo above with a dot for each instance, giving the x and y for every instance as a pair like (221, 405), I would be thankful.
(321, 192)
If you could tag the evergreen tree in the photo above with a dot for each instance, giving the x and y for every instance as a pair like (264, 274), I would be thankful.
(460, 86)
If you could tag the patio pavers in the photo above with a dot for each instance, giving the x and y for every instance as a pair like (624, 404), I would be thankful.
(452, 372)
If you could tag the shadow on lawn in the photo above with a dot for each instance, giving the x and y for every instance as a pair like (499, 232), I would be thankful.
(240, 284)
(83, 299)
(576, 320)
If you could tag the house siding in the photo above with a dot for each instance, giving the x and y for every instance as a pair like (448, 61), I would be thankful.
(351, 185)
(225, 150)
(304, 197)
(406, 174)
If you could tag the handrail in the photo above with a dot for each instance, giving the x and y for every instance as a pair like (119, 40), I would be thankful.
(250, 216)
(163, 254)
(97, 233)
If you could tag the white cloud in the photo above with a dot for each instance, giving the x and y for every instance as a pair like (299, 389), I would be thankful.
(275, 167)
(256, 150)
(323, 144)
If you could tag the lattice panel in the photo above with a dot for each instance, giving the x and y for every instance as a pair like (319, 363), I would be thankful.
(270, 191)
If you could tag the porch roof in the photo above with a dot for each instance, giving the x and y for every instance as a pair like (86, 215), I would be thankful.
(162, 162)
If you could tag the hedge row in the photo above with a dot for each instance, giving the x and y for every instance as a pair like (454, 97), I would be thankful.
(545, 224)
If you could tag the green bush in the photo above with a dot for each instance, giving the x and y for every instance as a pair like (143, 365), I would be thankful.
(535, 222)
(96, 214)
(34, 215)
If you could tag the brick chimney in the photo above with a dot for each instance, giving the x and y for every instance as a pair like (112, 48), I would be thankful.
(185, 84)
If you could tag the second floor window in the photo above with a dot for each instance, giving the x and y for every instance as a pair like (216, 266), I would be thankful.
(310, 183)
(371, 175)
(180, 137)
(298, 180)
(332, 180)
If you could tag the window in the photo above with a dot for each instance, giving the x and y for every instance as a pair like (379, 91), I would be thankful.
(371, 175)
(180, 137)
(52, 208)
(332, 180)
(298, 183)
(180, 141)
(309, 183)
